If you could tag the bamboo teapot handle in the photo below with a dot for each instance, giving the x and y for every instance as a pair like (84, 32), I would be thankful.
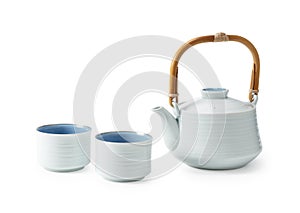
(219, 37)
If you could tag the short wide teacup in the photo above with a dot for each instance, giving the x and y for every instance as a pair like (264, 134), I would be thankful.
(63, 147)
(123, 156)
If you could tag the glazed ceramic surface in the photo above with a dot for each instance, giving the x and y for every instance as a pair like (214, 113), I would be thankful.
(213, 132)
(123, 156)
(63, 147)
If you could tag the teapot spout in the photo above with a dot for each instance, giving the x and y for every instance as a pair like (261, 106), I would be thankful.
(171, 131)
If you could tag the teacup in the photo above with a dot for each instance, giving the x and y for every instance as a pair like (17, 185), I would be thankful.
(63, 147)
(123, 156)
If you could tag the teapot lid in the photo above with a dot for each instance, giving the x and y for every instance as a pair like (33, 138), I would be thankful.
(215, 101)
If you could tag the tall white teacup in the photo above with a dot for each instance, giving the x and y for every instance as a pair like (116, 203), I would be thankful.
(63, 147)
(123, 156)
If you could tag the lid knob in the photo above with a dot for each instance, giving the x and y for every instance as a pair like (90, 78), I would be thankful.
(214, 93)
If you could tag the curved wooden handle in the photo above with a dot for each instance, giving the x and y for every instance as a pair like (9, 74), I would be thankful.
(214, 38)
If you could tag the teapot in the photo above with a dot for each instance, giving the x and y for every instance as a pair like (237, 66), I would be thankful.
(215, 131)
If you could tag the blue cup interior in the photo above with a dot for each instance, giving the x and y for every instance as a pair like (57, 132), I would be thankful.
(63, 129)
(123, 137)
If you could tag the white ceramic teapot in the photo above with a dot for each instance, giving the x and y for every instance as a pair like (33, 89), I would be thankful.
(215, 131)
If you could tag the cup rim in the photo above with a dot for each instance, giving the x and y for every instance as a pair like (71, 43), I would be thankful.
(149, 137)
(85, 129)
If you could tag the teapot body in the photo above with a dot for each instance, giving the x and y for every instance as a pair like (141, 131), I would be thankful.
(218, 141)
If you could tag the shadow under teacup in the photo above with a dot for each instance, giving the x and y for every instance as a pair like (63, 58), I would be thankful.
(123, 156)
(63, 147)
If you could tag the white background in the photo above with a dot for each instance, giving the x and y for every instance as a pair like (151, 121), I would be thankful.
(44, 46)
